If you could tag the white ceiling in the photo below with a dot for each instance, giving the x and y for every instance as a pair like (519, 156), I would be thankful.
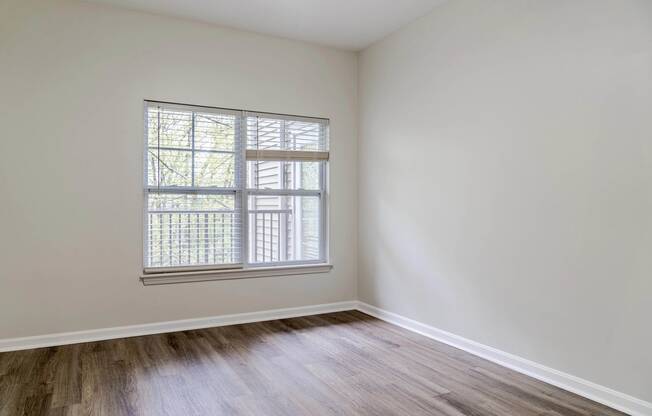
(346, 24)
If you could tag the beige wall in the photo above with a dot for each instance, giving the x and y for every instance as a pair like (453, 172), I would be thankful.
(506, 180)
(73, 77)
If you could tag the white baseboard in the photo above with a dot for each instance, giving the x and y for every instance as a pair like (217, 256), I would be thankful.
(590, 390)
(614, 399)
(13, 344)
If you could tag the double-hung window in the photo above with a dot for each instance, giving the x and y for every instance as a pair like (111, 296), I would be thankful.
(232, 189)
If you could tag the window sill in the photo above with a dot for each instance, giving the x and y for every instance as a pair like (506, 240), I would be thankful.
(229, 274)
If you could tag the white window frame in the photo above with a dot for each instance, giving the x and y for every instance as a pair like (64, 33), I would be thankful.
(243, 269)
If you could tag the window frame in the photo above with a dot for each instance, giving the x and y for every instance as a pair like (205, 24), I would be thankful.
(241, 193)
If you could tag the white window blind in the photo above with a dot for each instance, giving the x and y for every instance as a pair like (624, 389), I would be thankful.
(230, 189)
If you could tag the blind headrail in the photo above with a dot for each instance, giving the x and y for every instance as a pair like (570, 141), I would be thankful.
(279, 155)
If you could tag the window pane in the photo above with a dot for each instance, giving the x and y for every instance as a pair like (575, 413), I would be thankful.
(302, 135)
(280, 134)
(215, 132)
(283, 175)
(284, 228)
(192, 230)
(169, 128)
(215, 169)
(169, 167)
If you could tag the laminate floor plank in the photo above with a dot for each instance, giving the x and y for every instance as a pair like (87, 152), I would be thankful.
(344, 363)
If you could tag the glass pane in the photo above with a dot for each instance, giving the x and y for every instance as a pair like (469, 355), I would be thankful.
(192, 230)
(279, 134)
(215, 169)
(283, 175)
(264, 133)
(169, 168)
(169, 128)
(301, 135)
(215, 132)
(284, 228)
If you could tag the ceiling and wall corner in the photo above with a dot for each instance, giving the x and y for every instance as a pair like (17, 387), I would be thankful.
(344, 24)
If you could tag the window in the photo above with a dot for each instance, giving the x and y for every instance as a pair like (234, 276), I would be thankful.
(233, 189)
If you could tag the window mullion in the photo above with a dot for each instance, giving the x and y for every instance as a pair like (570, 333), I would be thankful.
(241, 141)
(192, 146)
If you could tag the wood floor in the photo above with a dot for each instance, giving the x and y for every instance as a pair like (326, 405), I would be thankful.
(343, 363)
